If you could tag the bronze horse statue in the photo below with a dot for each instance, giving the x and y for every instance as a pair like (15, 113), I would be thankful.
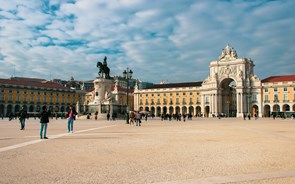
(104, 70)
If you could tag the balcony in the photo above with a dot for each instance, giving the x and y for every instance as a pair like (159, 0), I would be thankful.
(198, 103)
(183, 103)
(266, 101)
(286, 101)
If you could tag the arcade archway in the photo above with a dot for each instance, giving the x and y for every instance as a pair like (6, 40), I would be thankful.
(229, 97)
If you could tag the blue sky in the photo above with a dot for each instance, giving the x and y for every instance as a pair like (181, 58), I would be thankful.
(163, 40)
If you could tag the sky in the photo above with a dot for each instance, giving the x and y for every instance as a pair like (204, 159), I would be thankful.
(160, 40)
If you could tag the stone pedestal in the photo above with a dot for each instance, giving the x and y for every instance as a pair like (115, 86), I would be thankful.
(102, 97)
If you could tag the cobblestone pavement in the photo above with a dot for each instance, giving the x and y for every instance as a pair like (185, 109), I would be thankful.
(202, 150)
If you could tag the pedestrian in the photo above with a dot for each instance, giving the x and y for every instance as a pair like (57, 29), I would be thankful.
(71, 117)
(113, 116)
(131, 118)
(244, 115)
(22, 117)
(44, 120)
(138, 118)
(108, 116)
(95, 115)
(249, 116)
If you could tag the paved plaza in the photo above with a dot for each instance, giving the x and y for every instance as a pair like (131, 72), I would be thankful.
(202, 150)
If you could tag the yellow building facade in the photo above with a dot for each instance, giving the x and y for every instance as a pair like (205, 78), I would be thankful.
(231, 89)
(32, 94)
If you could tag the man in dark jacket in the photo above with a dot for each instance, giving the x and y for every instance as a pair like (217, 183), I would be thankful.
(22, 115)
(44, 119)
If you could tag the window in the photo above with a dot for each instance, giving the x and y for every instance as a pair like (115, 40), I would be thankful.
(191, 100)
(207, 99)
(164, 94)
(266, 97)
(275, 89)
(176, 94)
(183, 100)
(285, 89)
(266, 90)
(158, 101)
(254, 98)
(17, 95)
(177, 100)
(183, 94)
(32, 97)
(285, 97)
(276, 98)
(198, 100)
(190, 93)
(140, 101)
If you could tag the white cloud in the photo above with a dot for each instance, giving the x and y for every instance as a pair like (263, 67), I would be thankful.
(166, 39)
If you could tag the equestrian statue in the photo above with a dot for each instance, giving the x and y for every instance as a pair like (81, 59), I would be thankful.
(104, 70)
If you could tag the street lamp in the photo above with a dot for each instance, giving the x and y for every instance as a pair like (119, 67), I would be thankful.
(127, 74)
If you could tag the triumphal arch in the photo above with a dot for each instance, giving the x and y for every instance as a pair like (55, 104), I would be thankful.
(232, 86)
(231, 89)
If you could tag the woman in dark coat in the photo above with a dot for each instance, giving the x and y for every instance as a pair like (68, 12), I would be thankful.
(44, 119)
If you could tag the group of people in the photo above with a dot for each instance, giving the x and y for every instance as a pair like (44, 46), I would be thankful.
(134, 118)
(44, 120)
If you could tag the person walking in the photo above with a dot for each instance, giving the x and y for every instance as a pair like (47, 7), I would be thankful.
(44, 120)
(137, 118)
(71, 117)
(22, 115)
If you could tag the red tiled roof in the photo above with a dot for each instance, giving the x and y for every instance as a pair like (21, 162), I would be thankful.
(36, 83)
(89, 90)
(282, 78)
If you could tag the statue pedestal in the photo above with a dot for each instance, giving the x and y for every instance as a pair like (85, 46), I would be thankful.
(102, 97)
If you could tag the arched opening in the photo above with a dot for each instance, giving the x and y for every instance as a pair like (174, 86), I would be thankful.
(229, 97)
(25, 107)
(198, 111)
(51, 108)
(171, 110)
(165, 110)
(140, 108)
(293, 108)
(207, 110)
(16, 109)
(153, 110)
(56, 109)
(276, 108)
(191, 110)
(31, 108)
(147, 109)
(266, 111)
(62, 109)
(38, 108)
(159, 111)
(177, 110)
(286, 107)
(254, 110)
(2, 110)
(184, 110)
(9, 110)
